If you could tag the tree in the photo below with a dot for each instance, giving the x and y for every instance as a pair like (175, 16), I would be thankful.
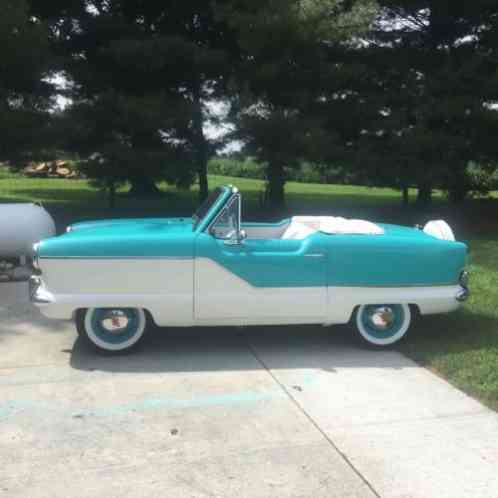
(25, 62)
(145, 50)
(281, 138)
(284, 46)
(430, 75)
(119, 137)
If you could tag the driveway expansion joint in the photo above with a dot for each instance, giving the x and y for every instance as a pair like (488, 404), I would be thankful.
(328, 439)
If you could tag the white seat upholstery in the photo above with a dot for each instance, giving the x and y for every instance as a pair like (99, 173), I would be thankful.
(297, 231)
(302, 226)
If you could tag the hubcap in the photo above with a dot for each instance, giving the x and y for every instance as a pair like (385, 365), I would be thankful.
(114, 321)
(382, 317)
(115, 325)
(383, 322)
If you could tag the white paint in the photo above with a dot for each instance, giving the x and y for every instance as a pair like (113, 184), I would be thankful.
(165, 287)
(221, 295)
(430, 300)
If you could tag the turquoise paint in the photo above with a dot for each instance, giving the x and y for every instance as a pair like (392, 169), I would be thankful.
(12, 408)
(128, 238)
(271, 262)
(246, 397)
(130, 222)
(378, 333)
(402, 256)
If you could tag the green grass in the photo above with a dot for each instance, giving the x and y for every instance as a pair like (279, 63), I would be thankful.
(54, 191)
(462, 347)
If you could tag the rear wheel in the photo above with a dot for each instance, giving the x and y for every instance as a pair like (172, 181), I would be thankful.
(382, 324)
(113, 330)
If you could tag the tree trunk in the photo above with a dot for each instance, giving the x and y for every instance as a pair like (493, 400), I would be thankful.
(143, 186)
(406, 198)
(424, 195)
(200, 144)
(111, 194)
(458, 194)
(275, 187)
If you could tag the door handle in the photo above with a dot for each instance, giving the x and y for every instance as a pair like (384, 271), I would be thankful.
(314, 255)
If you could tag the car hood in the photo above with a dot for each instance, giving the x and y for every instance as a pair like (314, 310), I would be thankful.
(143, 237)
(131, 223)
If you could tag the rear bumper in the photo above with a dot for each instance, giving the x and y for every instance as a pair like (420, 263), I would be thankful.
(462, 294)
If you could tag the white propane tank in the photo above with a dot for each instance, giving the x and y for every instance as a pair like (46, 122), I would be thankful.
(21, 226)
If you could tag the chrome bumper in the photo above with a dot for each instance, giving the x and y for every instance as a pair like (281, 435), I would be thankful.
(462, 294)
(37, 293)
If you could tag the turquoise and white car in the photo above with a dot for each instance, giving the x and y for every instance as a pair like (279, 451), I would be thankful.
(116, 277)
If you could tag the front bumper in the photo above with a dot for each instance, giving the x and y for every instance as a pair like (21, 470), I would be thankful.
(37, 293)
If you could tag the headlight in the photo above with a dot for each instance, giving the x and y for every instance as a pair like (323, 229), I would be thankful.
(69, 229)
(464, 278)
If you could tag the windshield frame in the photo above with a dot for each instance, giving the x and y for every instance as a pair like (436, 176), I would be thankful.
(211, 207)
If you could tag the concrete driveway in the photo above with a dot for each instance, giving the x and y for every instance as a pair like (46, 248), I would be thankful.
(257, 412)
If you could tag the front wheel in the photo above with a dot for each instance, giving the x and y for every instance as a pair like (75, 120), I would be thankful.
(112, 330)
(382, 324)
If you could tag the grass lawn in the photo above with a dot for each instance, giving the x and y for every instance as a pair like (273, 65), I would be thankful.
(462, 347)
(55, 191)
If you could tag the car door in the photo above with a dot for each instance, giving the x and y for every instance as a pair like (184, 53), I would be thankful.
(258, 280)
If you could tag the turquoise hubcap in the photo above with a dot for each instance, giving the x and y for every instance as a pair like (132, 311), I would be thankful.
(115, 325)
(383, 321)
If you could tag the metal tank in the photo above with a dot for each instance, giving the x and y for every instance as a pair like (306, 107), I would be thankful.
(21, 226)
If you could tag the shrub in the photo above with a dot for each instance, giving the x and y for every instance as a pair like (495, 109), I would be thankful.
(248, 168)
(306, 173)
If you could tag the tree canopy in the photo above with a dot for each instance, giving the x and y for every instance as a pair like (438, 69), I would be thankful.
(25, 63)
(402, 91)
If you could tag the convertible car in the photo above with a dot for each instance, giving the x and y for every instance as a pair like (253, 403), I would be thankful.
(115, 277)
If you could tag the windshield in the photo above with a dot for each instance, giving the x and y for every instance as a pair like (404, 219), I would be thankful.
(206, 206)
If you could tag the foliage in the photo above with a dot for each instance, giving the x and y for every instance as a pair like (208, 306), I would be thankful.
(304, 172)
(481, 180)
(278, 79)
(463, 347)
(170, 57)
(24, 95)
(427, 75)
(247, 168)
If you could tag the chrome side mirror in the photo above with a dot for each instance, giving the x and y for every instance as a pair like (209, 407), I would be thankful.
(237, 238)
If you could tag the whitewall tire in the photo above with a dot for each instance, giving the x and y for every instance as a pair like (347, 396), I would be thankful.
(382, 324)
(112, 330)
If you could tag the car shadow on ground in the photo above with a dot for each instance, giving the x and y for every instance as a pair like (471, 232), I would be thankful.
(209, 349)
